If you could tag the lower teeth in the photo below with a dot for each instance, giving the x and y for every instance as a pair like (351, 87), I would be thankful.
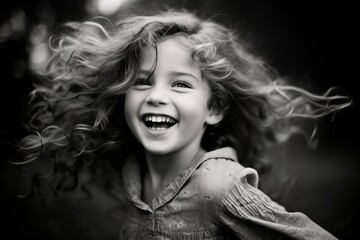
(158, 125)
(156, 128)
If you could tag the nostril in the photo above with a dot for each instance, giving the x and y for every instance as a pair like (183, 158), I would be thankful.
(157, 96)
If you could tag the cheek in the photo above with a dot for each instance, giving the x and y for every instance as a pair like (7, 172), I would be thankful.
(130, 107)
(195, 107)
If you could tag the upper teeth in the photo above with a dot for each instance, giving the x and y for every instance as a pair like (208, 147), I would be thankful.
(159, 119)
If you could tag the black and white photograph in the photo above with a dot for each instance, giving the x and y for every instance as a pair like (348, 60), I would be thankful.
(179, 119)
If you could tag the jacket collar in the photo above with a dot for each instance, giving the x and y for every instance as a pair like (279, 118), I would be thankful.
(133, 180)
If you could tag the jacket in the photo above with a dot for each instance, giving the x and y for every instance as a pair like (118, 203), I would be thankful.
(215, 198)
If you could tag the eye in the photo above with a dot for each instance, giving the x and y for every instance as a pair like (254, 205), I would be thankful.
(142, 82)
(181, 84)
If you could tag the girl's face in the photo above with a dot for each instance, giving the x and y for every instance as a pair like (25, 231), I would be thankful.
(169, 111)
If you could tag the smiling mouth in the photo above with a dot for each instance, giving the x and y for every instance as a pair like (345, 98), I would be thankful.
(158, 122)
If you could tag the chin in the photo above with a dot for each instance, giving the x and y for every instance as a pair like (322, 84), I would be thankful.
(157, 150)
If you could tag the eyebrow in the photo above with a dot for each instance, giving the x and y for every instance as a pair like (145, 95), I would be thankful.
(176, 73)
(173, 73)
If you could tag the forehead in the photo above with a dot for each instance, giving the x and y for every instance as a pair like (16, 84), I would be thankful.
(170, 55)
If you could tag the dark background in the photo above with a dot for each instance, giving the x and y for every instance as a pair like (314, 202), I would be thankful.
(315, 44)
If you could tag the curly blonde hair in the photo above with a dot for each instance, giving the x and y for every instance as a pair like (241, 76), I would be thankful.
(76, 107)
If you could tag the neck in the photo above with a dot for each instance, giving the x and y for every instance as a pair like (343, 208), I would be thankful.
(162, 169)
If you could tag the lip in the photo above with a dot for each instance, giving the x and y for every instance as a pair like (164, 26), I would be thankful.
(158, 131)
(155, 132)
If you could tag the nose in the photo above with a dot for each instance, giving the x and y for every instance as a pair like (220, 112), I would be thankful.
(157, 95)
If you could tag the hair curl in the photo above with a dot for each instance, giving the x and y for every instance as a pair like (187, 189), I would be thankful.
(76, 107)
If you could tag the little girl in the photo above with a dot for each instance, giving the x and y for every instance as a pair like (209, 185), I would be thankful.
(185, 110)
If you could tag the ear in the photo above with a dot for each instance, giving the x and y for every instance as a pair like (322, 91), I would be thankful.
(215, 116)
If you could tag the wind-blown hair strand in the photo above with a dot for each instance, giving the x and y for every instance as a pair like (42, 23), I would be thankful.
(76, 106)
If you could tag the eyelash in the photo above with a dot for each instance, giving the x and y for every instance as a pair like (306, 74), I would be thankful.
(184, 84)
(142, 81)
(146, 82)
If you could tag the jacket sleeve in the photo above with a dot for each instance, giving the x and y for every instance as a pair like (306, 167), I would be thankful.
(251, 214)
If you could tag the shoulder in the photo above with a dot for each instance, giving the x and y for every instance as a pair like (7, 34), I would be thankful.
(219, 170)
